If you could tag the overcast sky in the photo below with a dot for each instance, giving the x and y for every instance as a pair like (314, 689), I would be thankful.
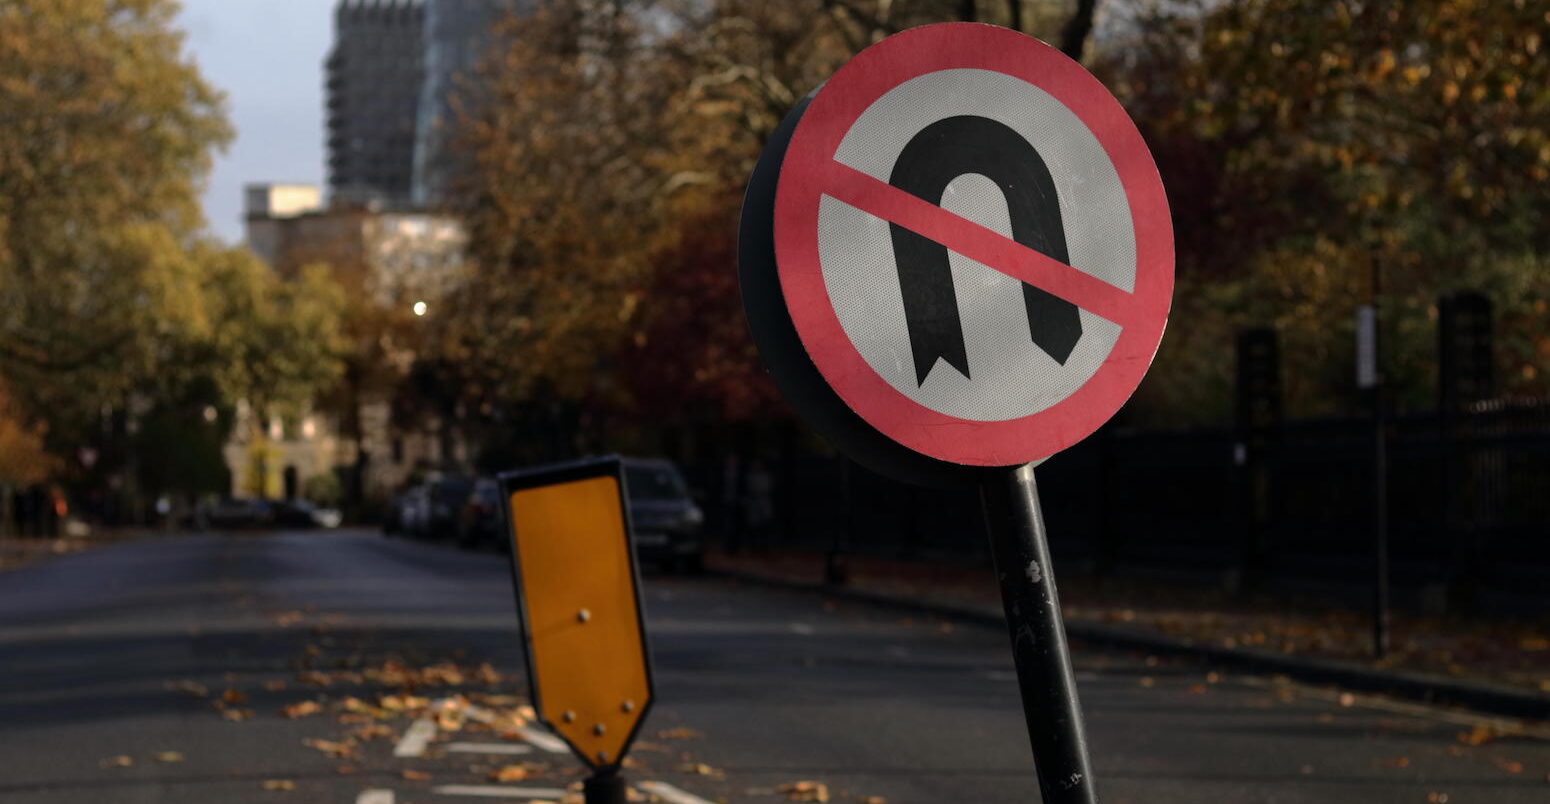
(267, 55)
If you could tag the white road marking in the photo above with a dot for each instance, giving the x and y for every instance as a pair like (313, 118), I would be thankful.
(415, 738)
(670, 794)
(497, 791)
(488, 748)
(544, 741)
(375, 796)
(803, 628)
(479, 713)
(470, 710)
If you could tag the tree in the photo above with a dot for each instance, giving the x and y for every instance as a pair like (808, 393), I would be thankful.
(23, 461)
(114, 303)
(608, 148)
(108, 130)
(1301, 141)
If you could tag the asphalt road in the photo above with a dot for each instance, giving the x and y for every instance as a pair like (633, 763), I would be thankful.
(161, 672)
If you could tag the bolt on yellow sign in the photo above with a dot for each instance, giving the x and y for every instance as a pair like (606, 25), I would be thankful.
(579, 600)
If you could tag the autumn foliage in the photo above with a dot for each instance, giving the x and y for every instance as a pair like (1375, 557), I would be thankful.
(1302, 143)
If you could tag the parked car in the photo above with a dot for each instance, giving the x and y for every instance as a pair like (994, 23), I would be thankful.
(410, 512)
(666, 520)
(305, 514)
(393, 514)
(444, 497)
(481, 522)
(239, 512)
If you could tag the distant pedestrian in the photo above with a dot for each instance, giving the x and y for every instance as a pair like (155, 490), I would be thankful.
(759, 503)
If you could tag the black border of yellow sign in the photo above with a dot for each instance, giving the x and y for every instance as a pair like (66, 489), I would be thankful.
(512, 482)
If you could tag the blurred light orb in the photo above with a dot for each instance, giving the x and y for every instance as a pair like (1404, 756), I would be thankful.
(419, 308)
(209, 413)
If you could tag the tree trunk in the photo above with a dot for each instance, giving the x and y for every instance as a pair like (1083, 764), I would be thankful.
(1014, 13)
(1073, 39)
(967, 11)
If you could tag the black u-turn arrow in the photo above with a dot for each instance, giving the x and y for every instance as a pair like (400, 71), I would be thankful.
(933, 158)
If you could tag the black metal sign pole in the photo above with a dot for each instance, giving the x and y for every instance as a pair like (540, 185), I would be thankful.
(1380, 478)
(1021, 550)
(604, 786)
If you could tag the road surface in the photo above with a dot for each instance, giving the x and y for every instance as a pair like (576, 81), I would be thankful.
(164, 671)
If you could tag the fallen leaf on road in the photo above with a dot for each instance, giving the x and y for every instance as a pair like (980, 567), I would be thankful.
(236, 715)
(193, 688)
(337, 750)
(681, 733)
(805, 791)
(1197, 689)
(119, 761)
(1347, 699)
(1395, 762)
(1147, 681)
(345, 770)
(315, 678)
(373, 731)
(1479, 735)
(1437, 798)
(274, 686)
(517, 772)
(700, 769)
(232, 696)
(279, 784)
(499, 700)
(416, 776)
(169, 756)
(873, 800)
(1509, 765)
(302, 709)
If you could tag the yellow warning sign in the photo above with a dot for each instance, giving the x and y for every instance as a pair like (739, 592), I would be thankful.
(576, 585)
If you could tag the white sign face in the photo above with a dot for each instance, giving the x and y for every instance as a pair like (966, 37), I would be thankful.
(973, 246)
(1009, 375)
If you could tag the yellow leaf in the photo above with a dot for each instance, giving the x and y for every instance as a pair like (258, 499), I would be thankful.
(805, 791)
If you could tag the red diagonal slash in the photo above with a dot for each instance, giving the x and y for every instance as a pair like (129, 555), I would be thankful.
(978, 243)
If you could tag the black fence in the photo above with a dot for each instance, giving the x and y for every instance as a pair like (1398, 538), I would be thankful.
(1469, 501)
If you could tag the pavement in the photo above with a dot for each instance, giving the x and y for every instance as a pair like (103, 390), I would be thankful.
(297, 667)
(1496, 664)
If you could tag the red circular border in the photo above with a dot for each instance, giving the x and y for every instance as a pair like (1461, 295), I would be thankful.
(830, 116)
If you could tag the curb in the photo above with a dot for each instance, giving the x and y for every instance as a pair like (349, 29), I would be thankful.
(1485, 697)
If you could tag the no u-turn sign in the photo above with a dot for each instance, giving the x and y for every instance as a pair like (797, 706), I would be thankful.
(960, 244)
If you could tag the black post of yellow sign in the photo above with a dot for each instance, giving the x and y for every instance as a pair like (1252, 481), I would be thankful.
(578, 596)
